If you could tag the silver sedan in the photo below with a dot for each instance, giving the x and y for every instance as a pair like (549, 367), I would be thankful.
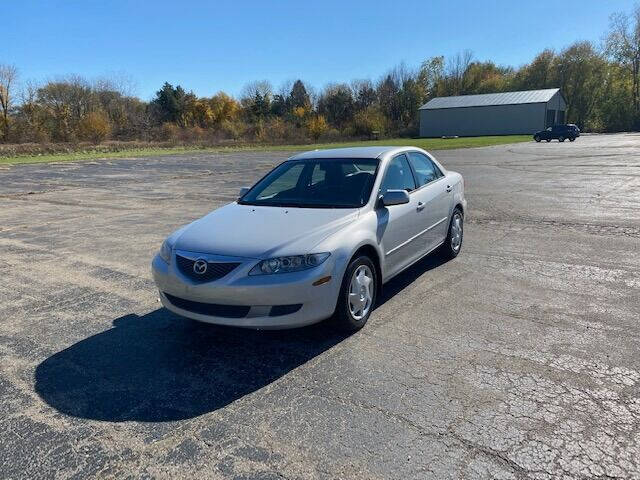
(317, 237)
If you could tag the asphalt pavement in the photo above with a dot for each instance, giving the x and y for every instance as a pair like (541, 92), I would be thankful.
(518, 359)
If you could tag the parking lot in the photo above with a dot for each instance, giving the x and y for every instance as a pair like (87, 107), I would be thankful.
(518, 359)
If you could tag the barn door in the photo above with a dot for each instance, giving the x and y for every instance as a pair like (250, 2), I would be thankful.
(551, 118)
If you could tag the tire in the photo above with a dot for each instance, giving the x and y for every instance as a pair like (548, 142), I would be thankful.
(537, 138)
(572, 139)
(561, 138)
(453, 243)
(352, 312)
(548, 140)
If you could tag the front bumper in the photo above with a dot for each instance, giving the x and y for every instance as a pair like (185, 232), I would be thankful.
(260, 293)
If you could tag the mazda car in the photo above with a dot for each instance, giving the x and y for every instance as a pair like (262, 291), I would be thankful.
(315, 238)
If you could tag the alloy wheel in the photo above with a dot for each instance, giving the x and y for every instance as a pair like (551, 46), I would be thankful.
(456, 232)
(361, 292)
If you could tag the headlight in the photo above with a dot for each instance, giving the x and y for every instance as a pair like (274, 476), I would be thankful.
(165, 252)
(293, 263)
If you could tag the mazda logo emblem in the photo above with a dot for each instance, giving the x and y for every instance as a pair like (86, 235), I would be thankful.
(200, 266)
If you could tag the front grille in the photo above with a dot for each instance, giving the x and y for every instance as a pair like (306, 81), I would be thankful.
(212, 309)
(215, 270)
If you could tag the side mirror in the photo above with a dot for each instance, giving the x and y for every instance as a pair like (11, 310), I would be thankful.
(243, 191)
(394, 197)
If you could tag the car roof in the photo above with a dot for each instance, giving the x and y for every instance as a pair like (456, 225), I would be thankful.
(351, 152)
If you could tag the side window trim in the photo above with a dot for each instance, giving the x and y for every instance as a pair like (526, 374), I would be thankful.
(415, 178)
(436, 169)
(413, 173)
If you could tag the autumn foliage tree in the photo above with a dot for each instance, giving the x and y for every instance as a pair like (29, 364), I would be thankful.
(94, 127)
(317, 126)
(8, 76)
(601, 86)
(623, 45)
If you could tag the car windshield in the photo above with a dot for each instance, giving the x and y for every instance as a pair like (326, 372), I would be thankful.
(318, 183)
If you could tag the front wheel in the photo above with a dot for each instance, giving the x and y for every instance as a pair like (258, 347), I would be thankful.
(572, 139)
(357, 294)
(453, 243)
(561, 138)
(537, 138)
(548, 140)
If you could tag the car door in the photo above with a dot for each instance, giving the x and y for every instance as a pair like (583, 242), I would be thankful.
(398, 225)
(434, 200)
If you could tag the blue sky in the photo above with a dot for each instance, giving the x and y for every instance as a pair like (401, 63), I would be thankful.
(222, 45)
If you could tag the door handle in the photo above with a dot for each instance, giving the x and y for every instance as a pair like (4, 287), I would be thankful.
(420, 206)
(448, 188)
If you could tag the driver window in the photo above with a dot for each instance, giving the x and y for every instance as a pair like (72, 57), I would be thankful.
(398, 175)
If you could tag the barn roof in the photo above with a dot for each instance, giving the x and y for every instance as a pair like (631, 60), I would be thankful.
(488, 99)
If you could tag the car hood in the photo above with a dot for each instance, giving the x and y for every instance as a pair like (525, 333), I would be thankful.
(262, 232)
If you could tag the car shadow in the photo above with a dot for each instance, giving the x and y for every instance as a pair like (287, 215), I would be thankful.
(160, 367)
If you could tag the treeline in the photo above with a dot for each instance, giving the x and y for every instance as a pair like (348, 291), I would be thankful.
(601, 86)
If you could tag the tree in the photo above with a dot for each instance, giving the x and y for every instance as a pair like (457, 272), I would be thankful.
(336, 104)
(316, 126)
(613, 111)
(400, 95)
(202, 114)
(223, 107)
(368, 121)
(456, 67)
(538, 74)
(126, 114)
(94, 127)
(431, 74)
(486, 77)
(174, 105)
(581, 74)
(364, 94)
(256, 100)
(8, 77)
(65, 101)
(623, 44)
(29, 117)
(299, 98)
(388, 94)
(299, 114)
(279, 105)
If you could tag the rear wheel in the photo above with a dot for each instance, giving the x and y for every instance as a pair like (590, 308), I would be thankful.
(572, 139)
(453, 243)
(537, 138)
(357, 294)
(561, 138)
(548, 140)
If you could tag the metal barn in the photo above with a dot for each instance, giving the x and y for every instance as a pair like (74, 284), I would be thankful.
(506, 113)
